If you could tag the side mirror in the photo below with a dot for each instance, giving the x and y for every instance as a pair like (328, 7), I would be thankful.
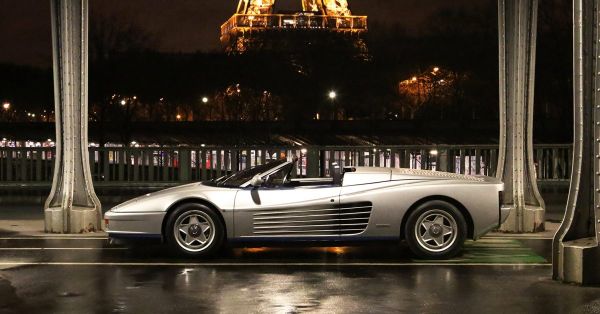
(257, 181)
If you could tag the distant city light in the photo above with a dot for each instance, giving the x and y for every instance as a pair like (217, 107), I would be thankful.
(436, 69)
(433, 152)
(6, 105)
(178, 117)
(123, 102)
(332, 94)
(204, 99)
(134, 97)
(414, 79)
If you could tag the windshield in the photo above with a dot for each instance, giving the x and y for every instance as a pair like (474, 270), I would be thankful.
(244, 176)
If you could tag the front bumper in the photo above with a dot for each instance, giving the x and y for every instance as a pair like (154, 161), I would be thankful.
(134, 225)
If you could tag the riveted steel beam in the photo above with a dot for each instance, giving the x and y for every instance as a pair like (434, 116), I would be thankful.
(72, 206)
(517, 42)
(576, 253)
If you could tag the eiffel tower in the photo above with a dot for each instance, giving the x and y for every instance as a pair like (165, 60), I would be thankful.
(256, 26)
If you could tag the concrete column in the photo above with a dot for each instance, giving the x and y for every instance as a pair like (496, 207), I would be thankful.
(576, 253)
(517, 34)
(72, 206)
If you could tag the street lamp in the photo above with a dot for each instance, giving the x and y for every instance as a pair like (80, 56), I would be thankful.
(332, 97)
(6, 105)
(204, 100)
(123, 102)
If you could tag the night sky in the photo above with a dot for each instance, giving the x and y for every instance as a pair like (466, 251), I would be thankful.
(178, 25)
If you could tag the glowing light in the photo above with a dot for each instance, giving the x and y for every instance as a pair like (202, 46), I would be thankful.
(433, 152)
(414, 79)
(332, 94)
(6, 105)
(204, 99)
(134, 97)
(336, 250)
(256, 250)
(178, 117)
(436, 69)
(123, 102)
(304, 151)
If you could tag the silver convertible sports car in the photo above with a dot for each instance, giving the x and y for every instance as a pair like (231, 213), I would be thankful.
(434, 212)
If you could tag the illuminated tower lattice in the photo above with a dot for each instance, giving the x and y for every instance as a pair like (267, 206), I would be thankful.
(255, 22)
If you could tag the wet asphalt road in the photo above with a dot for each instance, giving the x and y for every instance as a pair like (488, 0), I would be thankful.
(86, 275)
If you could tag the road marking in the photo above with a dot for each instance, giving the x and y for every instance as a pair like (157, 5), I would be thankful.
(106, 238)
(60, 248)
(53, 238)
(271, 264)
(515, 238)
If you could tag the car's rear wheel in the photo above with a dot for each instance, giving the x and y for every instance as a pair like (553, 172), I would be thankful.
(194, 230)
(435, 230)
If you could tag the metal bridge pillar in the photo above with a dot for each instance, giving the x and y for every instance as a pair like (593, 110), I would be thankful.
(517, 42)
(576, 253)
(72, 206)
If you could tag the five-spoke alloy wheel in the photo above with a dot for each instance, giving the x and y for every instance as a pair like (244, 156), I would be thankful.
(435, 230)
(194, 230)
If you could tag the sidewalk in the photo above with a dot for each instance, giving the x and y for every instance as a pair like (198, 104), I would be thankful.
(28, 221)
(551, 228)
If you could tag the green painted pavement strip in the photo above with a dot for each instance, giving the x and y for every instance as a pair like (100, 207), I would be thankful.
(494, 251)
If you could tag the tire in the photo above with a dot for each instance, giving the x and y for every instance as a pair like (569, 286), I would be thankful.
(194, 230)
(435, 230)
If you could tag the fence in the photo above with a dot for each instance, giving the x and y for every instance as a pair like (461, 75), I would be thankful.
(148, 165)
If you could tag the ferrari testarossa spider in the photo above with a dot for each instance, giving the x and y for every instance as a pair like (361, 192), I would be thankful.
(434, 212)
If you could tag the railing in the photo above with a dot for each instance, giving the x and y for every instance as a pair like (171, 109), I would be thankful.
(154, 165)
(291, 21)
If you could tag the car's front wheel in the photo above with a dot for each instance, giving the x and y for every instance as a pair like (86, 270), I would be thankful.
(194, 230)
(436, 230)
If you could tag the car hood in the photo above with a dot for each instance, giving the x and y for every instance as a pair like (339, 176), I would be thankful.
(191, 189)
